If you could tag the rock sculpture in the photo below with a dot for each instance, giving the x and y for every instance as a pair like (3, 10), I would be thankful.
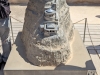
(47, 32)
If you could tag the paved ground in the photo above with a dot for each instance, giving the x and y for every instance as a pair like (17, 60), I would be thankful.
(90, 12)
(77, 13)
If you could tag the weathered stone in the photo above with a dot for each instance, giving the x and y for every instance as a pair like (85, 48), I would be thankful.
(51, 49)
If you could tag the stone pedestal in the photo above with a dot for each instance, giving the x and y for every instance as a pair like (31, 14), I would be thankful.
(79, 63)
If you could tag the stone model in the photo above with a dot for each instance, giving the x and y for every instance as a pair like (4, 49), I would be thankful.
(47, 32)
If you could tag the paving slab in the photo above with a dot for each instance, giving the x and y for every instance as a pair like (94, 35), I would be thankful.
(18, 12)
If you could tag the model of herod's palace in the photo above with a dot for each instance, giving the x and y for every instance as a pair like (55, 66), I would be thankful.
(48, 33)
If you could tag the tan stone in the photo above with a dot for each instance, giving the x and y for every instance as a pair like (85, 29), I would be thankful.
(79, 64)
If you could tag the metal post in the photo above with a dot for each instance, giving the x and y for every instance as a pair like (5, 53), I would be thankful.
(11, 30)
(85, 29)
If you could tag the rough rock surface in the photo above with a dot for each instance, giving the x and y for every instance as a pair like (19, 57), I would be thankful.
(47, 51)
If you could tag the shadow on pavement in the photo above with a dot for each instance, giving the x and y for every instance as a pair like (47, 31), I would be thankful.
(96, 48)
(98, 16)
(89, 66)
(20, 47)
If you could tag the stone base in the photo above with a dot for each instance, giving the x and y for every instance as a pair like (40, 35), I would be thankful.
(79, 63)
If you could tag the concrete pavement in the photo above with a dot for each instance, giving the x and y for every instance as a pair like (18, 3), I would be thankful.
(77, 13)
(90, 12)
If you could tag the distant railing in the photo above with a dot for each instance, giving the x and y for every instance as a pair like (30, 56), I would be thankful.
(85, 26)
(11, 27)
